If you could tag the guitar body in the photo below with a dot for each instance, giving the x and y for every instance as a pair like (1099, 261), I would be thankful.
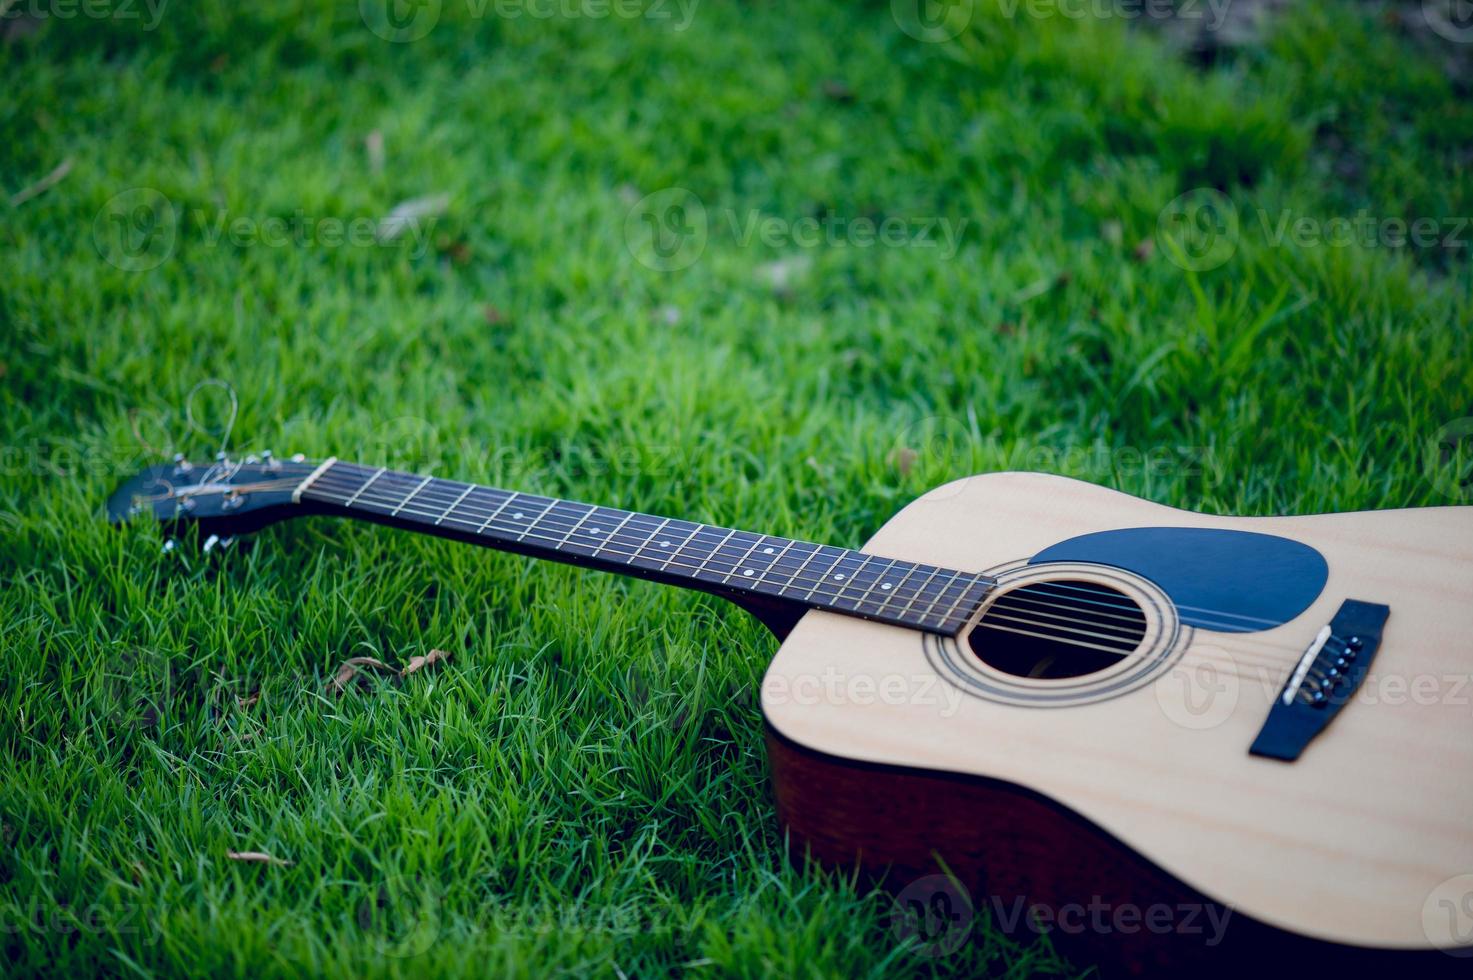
(1131, 785)
(1167, 739)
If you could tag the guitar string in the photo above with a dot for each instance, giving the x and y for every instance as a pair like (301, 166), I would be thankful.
(1268, 672)
(454, 500)
(570, 529)
(1088, 595)
(1005, 603)
(405, 478)
(845, 593)
(1026, 595)
(388, 503)
(862, 558)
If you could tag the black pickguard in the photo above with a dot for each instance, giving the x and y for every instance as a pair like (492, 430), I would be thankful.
(1226, 581)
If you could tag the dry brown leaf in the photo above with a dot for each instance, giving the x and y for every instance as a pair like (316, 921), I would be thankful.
(246, 702)
(836, 90)
(422, 661)
(256, 857)
(43, 185)
(409, 215)
(373, 144)
(904, 459)
(350, 669)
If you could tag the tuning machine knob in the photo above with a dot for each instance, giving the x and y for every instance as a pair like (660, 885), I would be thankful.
(215, 541)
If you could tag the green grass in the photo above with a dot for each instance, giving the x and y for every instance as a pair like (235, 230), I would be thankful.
(582, 788)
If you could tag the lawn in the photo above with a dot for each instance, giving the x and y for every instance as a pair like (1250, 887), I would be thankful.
(776, 265)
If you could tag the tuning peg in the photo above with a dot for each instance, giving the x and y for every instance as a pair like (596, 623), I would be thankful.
(215, 541)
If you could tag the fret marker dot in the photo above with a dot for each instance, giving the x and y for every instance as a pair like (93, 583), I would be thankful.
(518, 516)
(597, 531)
(767, 551)
(885, 586)
(838, 577)
(664, 544)
(747, 572)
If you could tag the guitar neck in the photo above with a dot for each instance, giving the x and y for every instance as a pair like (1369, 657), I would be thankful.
(687, 553)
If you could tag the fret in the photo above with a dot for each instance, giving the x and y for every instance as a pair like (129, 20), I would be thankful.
(487, 522)
(920, 590)
(359, 492)
(534, 521)
(713, 553)
(743, 564)
(406, 500)
(896, 584)
(589, 512)
(821, 580)
(455, 503)
(674, 549)
(591, 533)
(930, 608)
(775, 562)
(843, 576)
(866, 579)
(794, 579)
(628, 516)
(968, 584)
(642, 539)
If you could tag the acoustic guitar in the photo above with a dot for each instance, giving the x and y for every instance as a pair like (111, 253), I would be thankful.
(1158, 735)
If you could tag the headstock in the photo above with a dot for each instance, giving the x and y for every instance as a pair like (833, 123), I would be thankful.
(224, 498)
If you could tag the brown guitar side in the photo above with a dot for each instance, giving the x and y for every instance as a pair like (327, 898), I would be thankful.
(1012, 849)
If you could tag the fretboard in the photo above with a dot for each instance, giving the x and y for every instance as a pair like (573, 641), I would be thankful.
(918, 596)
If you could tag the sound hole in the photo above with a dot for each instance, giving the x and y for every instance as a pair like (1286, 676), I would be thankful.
(1051, 630)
